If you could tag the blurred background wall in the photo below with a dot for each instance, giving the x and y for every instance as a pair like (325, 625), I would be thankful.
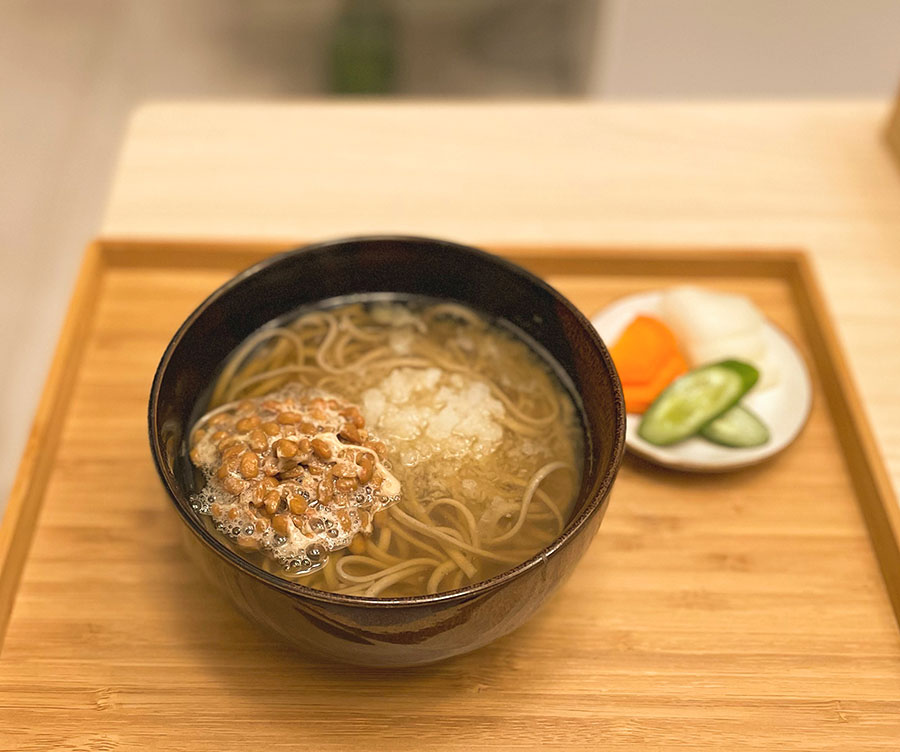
(71, 70)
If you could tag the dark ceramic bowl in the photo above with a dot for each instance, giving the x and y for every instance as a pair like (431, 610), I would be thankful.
(387, 631)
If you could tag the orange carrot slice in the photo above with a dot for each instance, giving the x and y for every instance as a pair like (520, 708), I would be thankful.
(638, 397)
(648, 360)
(644, 347)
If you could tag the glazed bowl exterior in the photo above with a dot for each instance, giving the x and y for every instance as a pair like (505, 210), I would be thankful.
(386, 631)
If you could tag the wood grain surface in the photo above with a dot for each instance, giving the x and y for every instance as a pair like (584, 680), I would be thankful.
(743, 611)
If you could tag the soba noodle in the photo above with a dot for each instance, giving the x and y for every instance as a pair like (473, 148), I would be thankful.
(476, 428)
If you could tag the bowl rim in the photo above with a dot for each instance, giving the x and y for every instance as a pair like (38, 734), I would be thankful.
(591, 507)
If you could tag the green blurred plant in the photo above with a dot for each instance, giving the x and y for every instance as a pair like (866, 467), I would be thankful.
(363, 49)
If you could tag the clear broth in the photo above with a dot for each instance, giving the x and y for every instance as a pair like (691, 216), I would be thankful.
(477, 425)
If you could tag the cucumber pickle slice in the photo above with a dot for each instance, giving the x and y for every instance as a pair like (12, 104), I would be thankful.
(738, 427)
(693, 400)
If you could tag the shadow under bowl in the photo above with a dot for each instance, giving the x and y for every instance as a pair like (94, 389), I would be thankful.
(387, 631)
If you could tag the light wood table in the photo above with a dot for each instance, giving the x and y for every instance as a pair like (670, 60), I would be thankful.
(815, 176)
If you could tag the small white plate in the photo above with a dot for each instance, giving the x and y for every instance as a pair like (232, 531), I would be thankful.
(784, 406)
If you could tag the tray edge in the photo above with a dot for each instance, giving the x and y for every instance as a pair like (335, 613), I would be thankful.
(25, 500)
(874, 491)
(872, 486)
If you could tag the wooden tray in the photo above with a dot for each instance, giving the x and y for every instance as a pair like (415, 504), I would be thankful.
(751, 610)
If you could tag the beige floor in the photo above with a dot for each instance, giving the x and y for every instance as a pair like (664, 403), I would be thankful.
(71, 70)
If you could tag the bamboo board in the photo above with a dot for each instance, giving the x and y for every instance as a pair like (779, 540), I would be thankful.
(745, 611)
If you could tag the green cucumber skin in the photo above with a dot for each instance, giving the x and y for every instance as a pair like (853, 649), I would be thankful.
(717, 430)
(748, 376)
